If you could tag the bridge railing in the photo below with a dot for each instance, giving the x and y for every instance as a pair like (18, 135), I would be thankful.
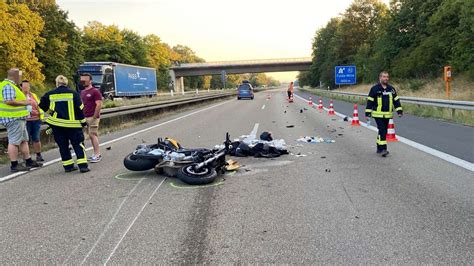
(245, 62)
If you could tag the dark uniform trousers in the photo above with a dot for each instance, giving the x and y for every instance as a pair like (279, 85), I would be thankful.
(63, 136)
(382, 125)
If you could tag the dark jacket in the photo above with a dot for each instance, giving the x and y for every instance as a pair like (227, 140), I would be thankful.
(382, 102)
(64, 107)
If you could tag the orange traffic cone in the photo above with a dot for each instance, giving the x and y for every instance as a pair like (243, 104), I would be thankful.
(331, 108)
(391, 131)
(310, 102)
(320, 105)
(355, 117)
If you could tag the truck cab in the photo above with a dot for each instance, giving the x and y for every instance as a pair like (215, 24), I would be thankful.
(102, 77)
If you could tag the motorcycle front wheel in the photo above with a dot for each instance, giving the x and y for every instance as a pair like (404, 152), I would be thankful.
(189, 175)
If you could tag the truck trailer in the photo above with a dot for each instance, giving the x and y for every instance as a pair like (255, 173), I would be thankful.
(120, 80)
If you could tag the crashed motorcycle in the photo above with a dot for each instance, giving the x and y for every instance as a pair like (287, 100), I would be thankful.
(193, 166)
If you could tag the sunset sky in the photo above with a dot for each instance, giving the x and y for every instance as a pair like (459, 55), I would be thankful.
(219, 30)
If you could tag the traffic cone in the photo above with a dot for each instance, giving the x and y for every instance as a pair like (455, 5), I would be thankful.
(331, 108)
(391, 131)
(355, 117)
(310, 102)
(320, 105)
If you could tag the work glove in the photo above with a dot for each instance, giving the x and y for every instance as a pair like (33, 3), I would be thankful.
(400, 113)
(368, 114)
(49, 131)
(84, 124)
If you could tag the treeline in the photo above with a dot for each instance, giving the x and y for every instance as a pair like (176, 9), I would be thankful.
(234, 80)
(39, 38)
(412, 39)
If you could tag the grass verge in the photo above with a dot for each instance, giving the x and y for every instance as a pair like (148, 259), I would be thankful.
(462, 88)
(464, 117)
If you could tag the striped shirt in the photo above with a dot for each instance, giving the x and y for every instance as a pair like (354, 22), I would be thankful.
(9, 94)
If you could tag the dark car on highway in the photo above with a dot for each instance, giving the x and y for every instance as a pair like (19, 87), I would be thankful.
(245, 90)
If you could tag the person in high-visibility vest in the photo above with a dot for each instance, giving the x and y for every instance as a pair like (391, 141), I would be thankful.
(66, 121)
(33, 121)
(381, 103)
(14, 108)
(290, 90)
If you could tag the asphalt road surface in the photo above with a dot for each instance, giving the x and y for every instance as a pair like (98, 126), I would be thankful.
(454, 139)
(338, 204)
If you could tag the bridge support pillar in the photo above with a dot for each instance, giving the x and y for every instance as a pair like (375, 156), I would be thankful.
(179, 84)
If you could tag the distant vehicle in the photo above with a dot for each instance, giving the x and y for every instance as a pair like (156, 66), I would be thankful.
(119, 80)
(245, 90)
(296, 84)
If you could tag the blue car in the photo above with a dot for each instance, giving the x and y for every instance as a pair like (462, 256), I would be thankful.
(245, 90)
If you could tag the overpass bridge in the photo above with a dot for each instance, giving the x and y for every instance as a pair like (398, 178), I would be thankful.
(177, 72)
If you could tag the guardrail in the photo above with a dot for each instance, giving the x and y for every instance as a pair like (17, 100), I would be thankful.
(462, 105)
(136, 108)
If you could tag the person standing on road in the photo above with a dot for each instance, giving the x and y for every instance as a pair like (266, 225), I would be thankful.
(66, 121)
(380, 105)
(290, 90)
(33, 121)
(92, 99)
(14, 108)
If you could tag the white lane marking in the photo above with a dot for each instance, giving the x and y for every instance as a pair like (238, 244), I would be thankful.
(133, 222)
(8, 177)
(254, 130)
(444, 156)
(263, 107)
(110, 223)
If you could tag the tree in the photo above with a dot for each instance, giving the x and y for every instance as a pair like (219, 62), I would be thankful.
(19, 37)
(135, 47)
(63, 49)
(187, 55)
(159, 56)
(37, 3)
(105, 43)
(326, 45)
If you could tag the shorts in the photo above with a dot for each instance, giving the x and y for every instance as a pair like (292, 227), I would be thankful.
(16, 131)
(92, 125)
(34, 130)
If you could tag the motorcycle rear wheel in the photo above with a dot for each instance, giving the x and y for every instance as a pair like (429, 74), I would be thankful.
(133, 163)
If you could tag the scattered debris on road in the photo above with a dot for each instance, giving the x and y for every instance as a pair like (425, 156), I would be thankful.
(298, 154)
(248, 145)
(232, 165)
(311, 139)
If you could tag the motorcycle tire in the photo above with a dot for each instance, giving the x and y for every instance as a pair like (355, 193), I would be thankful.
(205, 176)
(133, 163)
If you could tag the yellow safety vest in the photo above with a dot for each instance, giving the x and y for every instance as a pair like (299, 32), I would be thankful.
(12, 111)
(38, 102)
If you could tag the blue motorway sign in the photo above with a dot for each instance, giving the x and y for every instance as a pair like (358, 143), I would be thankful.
(345, 75)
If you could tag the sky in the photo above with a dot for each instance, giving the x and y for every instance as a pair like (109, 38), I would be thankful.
(219, 30)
